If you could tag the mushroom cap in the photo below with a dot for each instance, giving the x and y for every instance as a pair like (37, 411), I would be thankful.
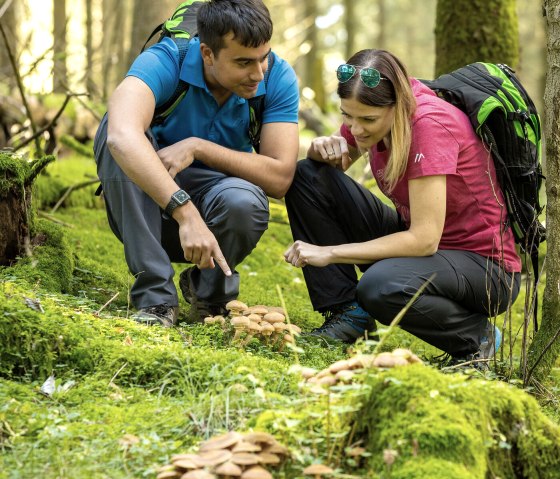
(245, 458)
(267, 328)
(280, 326)
(257, 318)
(198, 474)
(169, 475)
(186, 464)
(254, 327)
(327, 380)
(269, 458)
(277, 309)
(256, 472)
(307, 372)
(179, 457)
(293, 328)
(274, 317)
(240, 321)
(345, 375)
(339, 366)
(221, 442)
(246, 446)
(228, 468)
(260, 437)
(288, 338)
(235, 305)
(258, 309)
(356, 451)
(213, 457)
(317, 469)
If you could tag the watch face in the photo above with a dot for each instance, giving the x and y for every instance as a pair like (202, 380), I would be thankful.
(181, 197)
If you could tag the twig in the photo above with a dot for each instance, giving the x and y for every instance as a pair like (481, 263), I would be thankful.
(21, 91)
(70, 189)
(106, 304)
(44, 214)
(546, 348)
(5, 7)
(36, 134)
(117, 373)
(402, 312)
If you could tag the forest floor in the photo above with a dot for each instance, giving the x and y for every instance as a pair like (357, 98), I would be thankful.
(87, 392)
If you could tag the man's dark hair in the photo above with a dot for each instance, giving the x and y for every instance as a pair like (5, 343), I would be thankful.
(248, 20)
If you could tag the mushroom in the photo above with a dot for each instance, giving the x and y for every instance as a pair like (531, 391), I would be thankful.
(213, 457)
(221, 442)
(240, 324)
(236, 308)
(198, 474)
(267, 330)
(170, 474)
(256, 318)
(341, 365)
(274, 317)
(252, 329)
(287, 339)
(259, 309)
(246, 446)
(228, 469)
(186, 464)
(245, 459)
(269, 458)
(345, 375)
(317, 470)
(256, 472)
(215, 320)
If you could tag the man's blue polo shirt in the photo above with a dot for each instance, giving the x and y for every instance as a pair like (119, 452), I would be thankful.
(199, 114)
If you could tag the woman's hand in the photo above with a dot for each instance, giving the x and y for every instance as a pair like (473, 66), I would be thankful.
(178, 156)
(301, 254)
(332, 150)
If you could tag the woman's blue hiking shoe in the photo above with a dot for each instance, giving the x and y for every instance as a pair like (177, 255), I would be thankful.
(346, 322)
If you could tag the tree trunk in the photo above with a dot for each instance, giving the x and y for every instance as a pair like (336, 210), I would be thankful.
(540, 359)
(351, 26)
(382, 25)
(90, 84)
(16, 178)
(470, 31)
(60, 74)
(9, 22)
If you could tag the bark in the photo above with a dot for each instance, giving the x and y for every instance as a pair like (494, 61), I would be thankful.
(382, 25)
(17, 176)
(60, 73)
(90, 84)
(470, 31)
(351, 26)
(541, 359)
(9, 22)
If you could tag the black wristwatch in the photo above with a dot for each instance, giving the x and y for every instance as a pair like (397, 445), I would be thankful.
(179, 198)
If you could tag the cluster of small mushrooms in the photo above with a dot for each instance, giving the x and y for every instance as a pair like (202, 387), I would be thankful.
(343, 371)
(228, 456)
(267, 323)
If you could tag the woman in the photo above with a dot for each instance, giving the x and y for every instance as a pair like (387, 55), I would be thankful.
(448, 231)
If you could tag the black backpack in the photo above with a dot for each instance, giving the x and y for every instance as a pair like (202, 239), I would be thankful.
(505, 117)
(181, 28)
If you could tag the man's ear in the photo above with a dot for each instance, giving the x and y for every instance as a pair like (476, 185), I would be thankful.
(207, 54)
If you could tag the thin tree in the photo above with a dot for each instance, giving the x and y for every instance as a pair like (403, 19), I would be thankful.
(545, 349)
(468, 31)
(60, 73)
(9, 22)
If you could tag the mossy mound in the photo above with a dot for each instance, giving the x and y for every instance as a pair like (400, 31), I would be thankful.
(433, 420)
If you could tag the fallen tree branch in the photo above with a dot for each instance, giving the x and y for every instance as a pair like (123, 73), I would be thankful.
(70, 190)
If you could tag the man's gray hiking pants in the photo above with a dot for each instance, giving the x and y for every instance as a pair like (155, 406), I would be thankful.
(235, 210)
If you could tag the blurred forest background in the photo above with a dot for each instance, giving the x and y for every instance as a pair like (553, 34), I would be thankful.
(86, 46)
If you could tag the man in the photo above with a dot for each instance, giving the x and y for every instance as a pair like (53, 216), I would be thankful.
(198, 167)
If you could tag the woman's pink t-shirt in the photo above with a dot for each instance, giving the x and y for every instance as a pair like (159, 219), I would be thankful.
(444, 143)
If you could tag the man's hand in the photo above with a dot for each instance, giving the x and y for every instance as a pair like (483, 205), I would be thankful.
(198, 242)
(178, 156)
(332, 150)
(301, 254)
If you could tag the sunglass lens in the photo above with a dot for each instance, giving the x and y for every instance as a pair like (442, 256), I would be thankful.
(370, 76)
(345, 72)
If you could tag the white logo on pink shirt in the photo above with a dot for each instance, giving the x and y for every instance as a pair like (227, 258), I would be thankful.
(418, 157)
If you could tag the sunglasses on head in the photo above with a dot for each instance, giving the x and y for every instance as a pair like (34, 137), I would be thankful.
(369, 76)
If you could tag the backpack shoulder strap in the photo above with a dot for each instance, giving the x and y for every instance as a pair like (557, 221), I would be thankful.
(163, 111)
(256, 110)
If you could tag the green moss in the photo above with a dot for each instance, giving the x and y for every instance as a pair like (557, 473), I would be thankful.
(51, 265)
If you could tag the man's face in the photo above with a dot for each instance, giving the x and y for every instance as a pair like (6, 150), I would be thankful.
(235, 68)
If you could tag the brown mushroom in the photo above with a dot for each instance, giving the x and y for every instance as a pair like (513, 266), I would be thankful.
(198, 474)
(246, 446)
(256, 472)
(228, 469)
(286, 339)
(252, 329)
(171, 474)
(317, 470)
(212, 457)
(186, 464)
(267, 330)
(245, 459)
(236, 308)
(240, 324)
(269, 458)
(274, 317)
(220, 442)
(345, 375)
(258, 309)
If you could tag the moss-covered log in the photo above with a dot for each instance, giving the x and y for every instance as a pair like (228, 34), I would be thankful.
(470, 31)
(16, 177)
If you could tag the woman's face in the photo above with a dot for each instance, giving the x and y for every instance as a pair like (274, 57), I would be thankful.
(368, 124)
